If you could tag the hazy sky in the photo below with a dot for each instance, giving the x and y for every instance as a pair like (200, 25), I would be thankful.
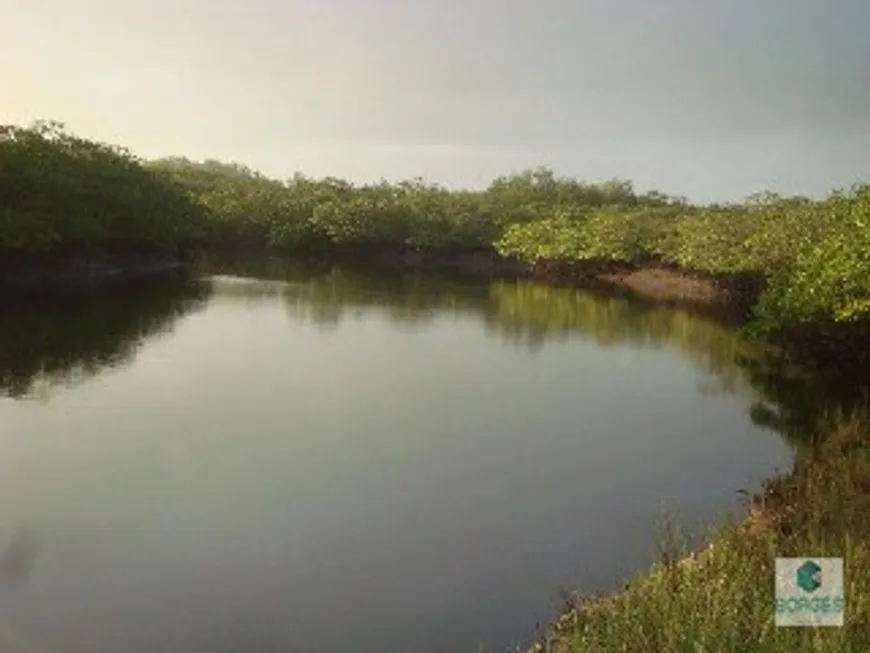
(713, 99)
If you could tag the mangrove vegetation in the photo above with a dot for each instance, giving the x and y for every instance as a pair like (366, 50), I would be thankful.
(63, 193)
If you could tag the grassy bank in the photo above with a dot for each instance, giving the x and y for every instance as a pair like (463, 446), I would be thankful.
(721, 600)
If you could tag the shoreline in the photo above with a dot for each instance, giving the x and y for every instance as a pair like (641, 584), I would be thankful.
(653, 280)
(828, 348)
(35, 274)
(728, 295)
(719, 597)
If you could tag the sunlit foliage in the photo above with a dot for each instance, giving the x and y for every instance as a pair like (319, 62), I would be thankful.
(814, 254)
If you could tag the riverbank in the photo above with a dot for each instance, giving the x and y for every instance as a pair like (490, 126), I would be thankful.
(65, 271)
(653, 280)
(722, 600)
(830, 347)
(728, 296)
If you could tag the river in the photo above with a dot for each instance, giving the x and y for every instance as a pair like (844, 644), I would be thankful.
(263, 459)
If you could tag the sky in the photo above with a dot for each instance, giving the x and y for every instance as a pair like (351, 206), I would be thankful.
(708, 99)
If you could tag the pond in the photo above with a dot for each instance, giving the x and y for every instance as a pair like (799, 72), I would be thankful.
(265, 459)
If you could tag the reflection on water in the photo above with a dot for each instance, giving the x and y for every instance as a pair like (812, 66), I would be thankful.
(530, 315)
(314, 460)
(56, 339)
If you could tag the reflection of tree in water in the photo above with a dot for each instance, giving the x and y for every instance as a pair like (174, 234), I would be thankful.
(531, 337)
(529, 315)
(407, 301)
(526, 310)
(793, 401)
(56, 339)
(253, 290)
(784, 398)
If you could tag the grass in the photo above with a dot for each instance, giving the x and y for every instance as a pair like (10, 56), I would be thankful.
(721, 599)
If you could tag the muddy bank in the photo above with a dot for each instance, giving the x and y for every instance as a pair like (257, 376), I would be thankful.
(730, 297)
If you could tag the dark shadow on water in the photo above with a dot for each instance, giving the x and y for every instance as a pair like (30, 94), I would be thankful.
(56, 338)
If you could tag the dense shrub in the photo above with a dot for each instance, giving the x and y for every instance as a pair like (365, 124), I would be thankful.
(829, 277)
(57, 190)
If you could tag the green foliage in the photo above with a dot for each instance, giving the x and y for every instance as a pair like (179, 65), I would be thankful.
(616, 233)
(561, 237)
(780, 229)
(59, 191)
(374, 215)
(814, 254)
(628, 236)
(709, 239)
(829, 278)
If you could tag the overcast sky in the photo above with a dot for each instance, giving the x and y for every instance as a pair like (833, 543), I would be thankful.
(712, 99)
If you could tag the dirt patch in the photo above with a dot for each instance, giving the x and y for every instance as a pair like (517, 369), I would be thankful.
(669, 285)
(730, 297)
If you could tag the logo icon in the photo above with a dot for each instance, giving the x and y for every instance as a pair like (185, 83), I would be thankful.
(809, 592)
(809, 576)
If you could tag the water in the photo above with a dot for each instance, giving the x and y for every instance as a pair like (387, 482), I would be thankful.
(325, 462)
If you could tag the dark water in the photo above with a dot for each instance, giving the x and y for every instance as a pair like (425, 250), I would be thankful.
(329, 463)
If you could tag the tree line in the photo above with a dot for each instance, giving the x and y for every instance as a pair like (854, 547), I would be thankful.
(60, 192)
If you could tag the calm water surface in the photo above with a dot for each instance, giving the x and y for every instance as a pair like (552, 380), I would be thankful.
(337, 464)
